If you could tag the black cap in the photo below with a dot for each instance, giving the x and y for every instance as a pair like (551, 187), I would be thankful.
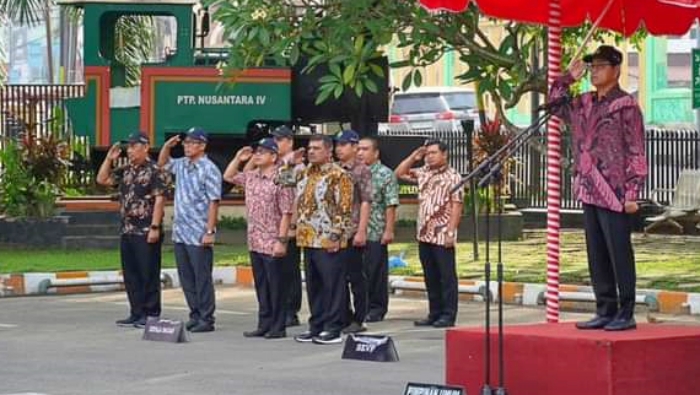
(605, 52)
(282, 131)
(138, 138)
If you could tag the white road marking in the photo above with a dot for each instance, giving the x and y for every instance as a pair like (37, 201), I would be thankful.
(10, 326)
(169, 377)
(27, 393)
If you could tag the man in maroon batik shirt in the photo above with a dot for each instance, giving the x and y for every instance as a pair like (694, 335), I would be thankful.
(610, 168)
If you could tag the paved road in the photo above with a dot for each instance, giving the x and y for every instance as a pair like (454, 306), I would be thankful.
(68, 345)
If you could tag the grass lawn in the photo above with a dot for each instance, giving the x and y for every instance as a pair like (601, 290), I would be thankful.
(662, 261)
(20, 261)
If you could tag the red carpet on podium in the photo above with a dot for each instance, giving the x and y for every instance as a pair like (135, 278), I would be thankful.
(558, 359)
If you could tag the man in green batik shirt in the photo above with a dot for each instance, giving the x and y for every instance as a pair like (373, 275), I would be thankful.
(385, 199)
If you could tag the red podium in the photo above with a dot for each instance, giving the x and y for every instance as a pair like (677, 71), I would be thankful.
(558, 359)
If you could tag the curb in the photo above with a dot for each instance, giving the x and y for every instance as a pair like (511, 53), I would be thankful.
(525, 294)
(74, 282)
(572, 296)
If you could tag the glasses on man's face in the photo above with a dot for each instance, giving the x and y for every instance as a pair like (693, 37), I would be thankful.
(261, 151)
(597, 66)
(192, 142)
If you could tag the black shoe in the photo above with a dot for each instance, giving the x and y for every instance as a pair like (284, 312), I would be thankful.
(256, 333)
(621, 324)
(292, 320)
(127, 321)
(374, 318)
(140, 323)
(424, 322)
(355, 327)
(202, 327)
(443, 323)
(327, 337)
(305, 337)
(597, 322)
(191, 324)
(276, 335)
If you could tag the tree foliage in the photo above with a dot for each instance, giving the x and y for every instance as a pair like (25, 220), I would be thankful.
(348, 34)
(135, 39)
(25, 12)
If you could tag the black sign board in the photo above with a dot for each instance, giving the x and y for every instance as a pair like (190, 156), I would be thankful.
(370, 348)
(432, 389)
(165, 330)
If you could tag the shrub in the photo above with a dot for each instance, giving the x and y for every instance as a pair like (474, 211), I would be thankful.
(31, 171)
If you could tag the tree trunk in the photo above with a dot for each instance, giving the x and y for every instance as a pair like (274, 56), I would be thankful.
(480, 106)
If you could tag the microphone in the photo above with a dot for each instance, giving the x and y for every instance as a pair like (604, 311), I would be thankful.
(555, 103)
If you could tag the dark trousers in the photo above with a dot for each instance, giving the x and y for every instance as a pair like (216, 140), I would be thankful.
(376, 268)
(141, 268)
(325, 289)
(356, 310)
(610, 261)
(440, 280)
(293, 278)
(268, 273)
(194, 267)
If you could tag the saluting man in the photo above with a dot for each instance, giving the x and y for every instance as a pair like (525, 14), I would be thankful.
(439, 213)
(269, 211)
(197, 195)
(141, 185)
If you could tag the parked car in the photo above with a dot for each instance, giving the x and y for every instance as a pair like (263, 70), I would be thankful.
(433, 108)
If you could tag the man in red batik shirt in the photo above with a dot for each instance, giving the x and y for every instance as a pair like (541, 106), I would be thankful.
(610, 168)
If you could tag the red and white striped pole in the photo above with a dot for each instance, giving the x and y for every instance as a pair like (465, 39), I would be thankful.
(553, 167)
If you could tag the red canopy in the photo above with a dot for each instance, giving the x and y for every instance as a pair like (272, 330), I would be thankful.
(674, 17)
(659, 17)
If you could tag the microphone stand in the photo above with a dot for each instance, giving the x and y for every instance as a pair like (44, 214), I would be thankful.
(494, 178)
(501, 390)
(499, 202)
(487, 390)
(491, 171)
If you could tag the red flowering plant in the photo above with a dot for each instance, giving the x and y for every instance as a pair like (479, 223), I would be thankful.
(489, 139)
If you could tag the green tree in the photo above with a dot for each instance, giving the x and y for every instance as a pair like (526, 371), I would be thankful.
(350, 34)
